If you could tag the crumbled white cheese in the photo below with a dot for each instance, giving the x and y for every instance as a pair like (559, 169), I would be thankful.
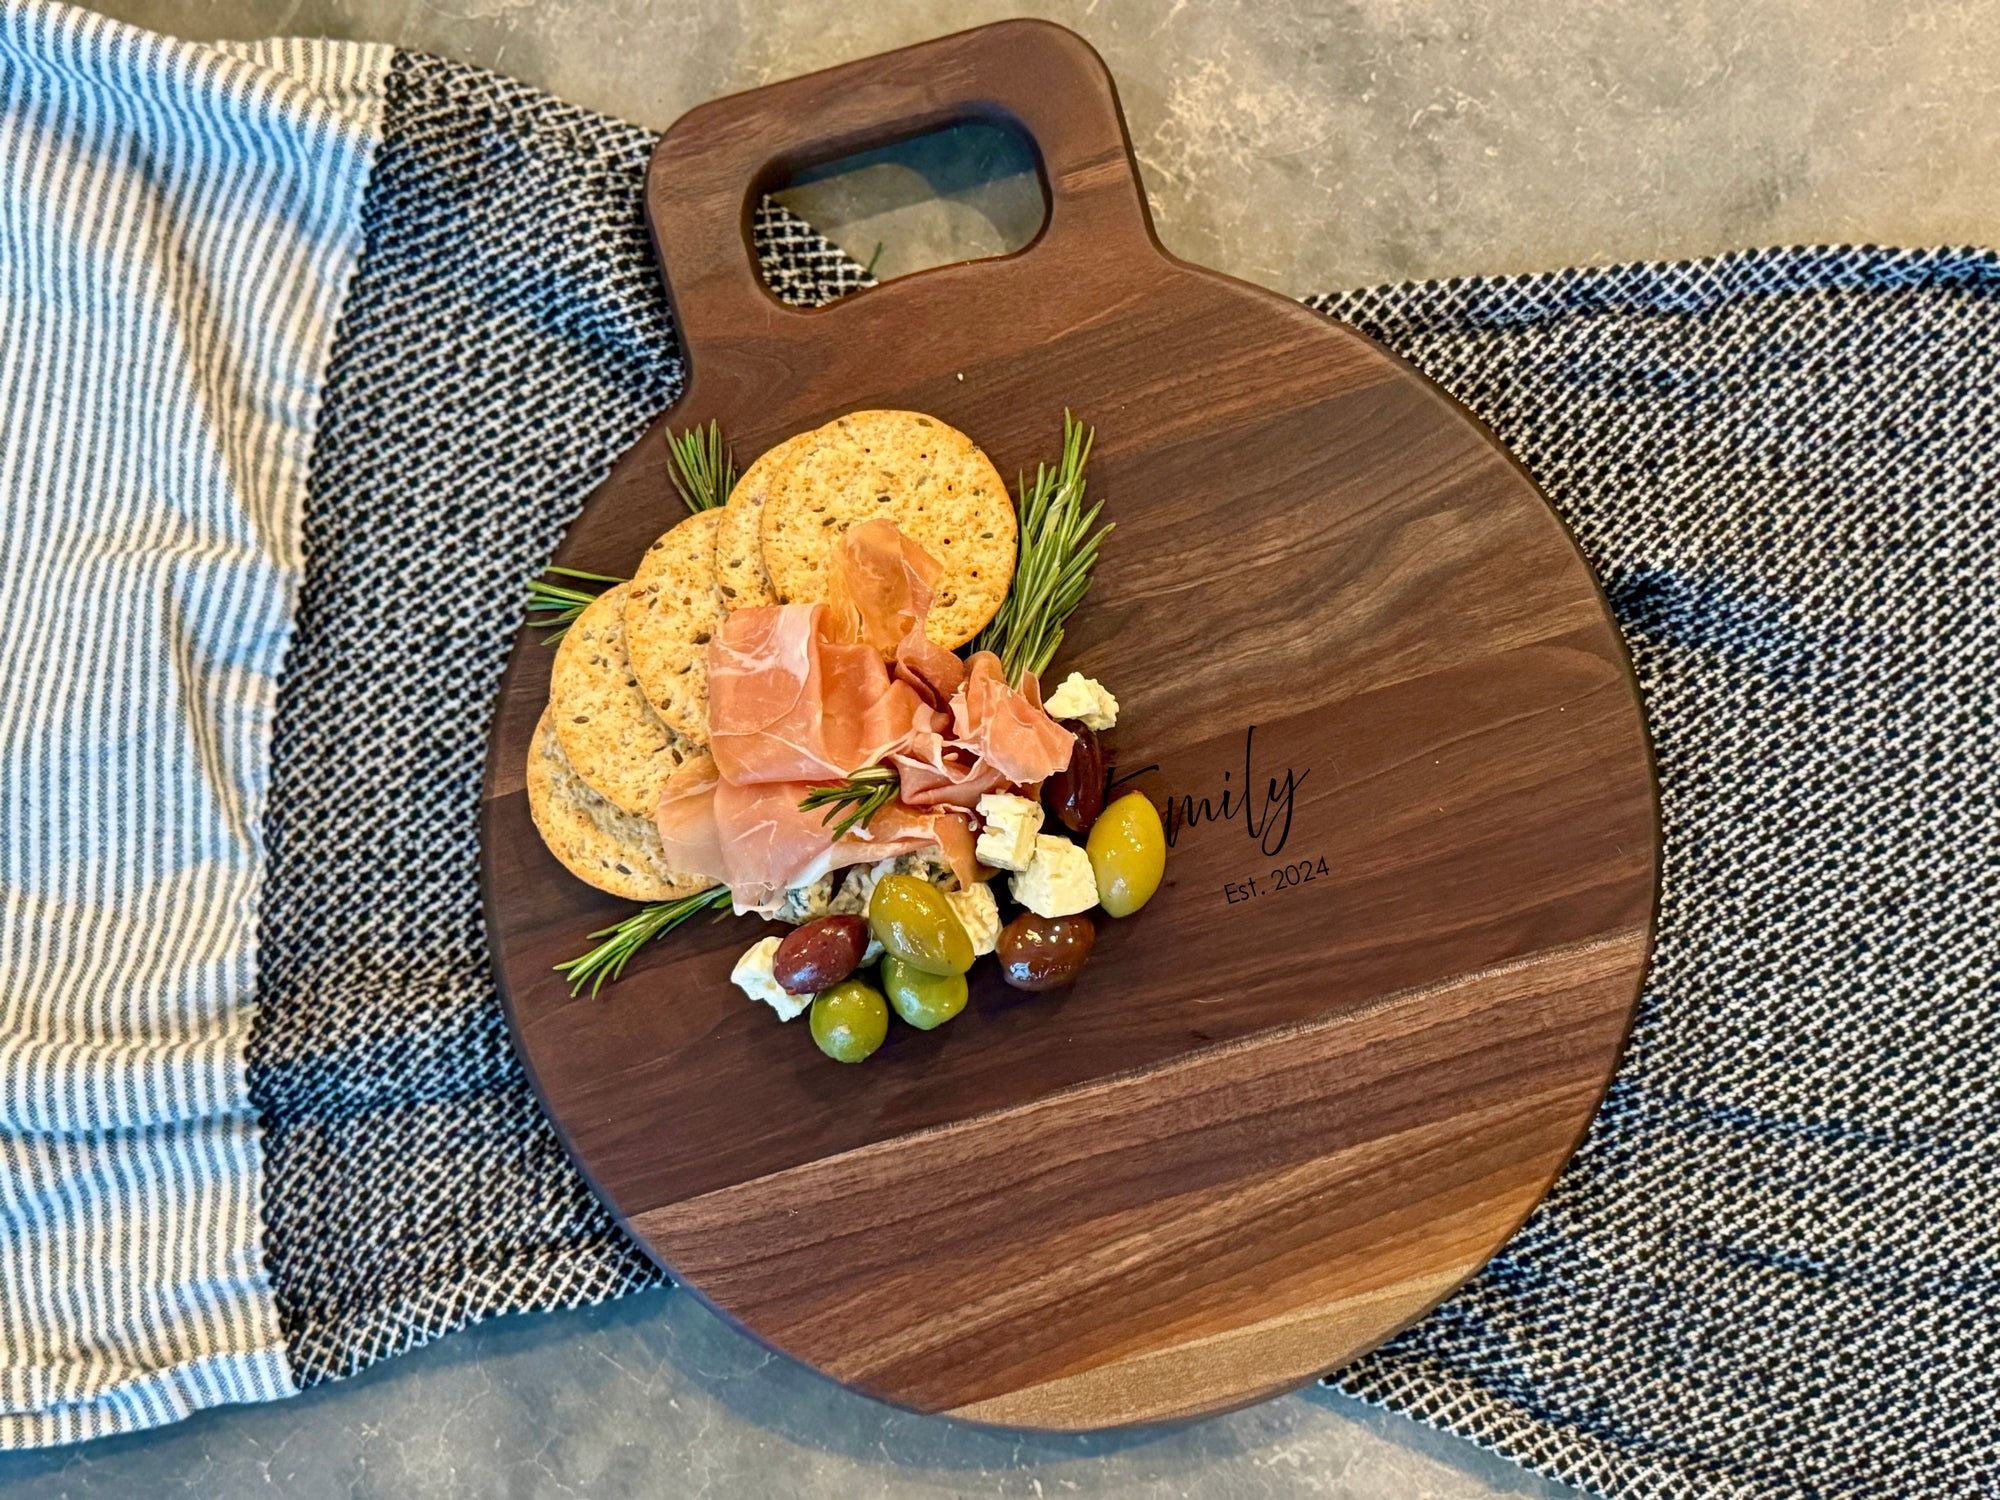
(1085, 700)
(806, 903)
(1007, 842)
(1058, 881)
(753, 976)
(845, 892)
(873, 951)
(926, 864)
(859, 887)
(852, 898)
(979, 914)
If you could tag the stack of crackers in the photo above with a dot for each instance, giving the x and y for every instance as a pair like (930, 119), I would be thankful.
(628, 697)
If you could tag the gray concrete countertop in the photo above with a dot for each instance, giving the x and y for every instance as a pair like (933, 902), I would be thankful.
(654, 1398)
(1307, 146)
(1315, 146)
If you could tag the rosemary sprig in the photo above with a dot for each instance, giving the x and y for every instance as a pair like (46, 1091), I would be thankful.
(560, 606)
(854, 800)
(1058, 551)
(702, 469)
(623, 939)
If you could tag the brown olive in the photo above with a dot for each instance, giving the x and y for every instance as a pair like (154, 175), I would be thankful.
(1075, 794)
(1044, 953)
(819, 954)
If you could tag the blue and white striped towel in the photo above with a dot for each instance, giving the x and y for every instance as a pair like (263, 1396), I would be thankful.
(178, 226)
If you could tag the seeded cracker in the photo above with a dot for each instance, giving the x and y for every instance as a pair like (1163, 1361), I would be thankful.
(596, 842)
(609, 732)
(739, 551)
(672, 611)
(927, 477)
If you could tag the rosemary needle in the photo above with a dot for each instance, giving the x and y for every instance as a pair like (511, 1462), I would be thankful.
(702, 469)
(623, 939)
(1058, 552)
(560, 606)
(854, 801)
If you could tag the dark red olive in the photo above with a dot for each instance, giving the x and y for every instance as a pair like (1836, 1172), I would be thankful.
(1044, 953)
(819, 954)
(1074, 796)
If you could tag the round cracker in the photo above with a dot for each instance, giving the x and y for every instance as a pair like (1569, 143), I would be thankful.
(739, 547)
(609, 732)
(672, 611)
(923, 474)
(596, 842)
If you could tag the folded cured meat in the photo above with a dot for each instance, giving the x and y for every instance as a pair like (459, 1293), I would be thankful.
(807, 694)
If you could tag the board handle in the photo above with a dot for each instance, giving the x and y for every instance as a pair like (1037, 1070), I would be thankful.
(714, 165)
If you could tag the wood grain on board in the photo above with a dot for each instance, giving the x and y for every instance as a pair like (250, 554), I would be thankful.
(1320, 1079)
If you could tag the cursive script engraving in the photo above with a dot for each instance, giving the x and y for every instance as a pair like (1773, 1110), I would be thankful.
(1267, 820)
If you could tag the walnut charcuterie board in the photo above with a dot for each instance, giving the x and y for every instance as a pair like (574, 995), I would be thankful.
(1409, 905)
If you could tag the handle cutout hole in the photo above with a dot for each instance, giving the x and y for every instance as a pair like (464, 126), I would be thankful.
(966, 192)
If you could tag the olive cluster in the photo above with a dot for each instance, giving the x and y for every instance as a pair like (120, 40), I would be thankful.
(925, 948)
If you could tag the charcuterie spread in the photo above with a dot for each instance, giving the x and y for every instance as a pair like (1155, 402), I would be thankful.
(819, 701)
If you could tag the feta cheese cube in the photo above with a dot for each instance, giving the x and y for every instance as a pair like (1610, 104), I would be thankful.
(753, 976)
(1058, 881)
(1007, 842)
(979, 914)
(1085, 700)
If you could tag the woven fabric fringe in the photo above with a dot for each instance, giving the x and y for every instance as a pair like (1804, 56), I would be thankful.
(1771, 1270)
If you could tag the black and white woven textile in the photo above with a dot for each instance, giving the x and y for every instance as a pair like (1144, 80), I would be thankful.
(1774, 1268)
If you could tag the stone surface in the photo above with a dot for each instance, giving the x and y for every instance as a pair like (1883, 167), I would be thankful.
(656, 1397)
(1313, 146)
(1307, 146)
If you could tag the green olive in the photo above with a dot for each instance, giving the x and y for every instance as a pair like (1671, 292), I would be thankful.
(1128, 854)
(849, 1021)
(912, 921)
(926, 1001)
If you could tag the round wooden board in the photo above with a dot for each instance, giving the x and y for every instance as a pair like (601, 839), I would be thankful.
(1328, 1071)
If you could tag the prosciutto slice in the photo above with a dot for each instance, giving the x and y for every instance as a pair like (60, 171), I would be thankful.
(927, 667)
(787, 703)
(1007, 727)
(769, 845)
(879, 587)
(936, 772)
(686, 820)
(879, 593)
(806, 694)
(1000, 736)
